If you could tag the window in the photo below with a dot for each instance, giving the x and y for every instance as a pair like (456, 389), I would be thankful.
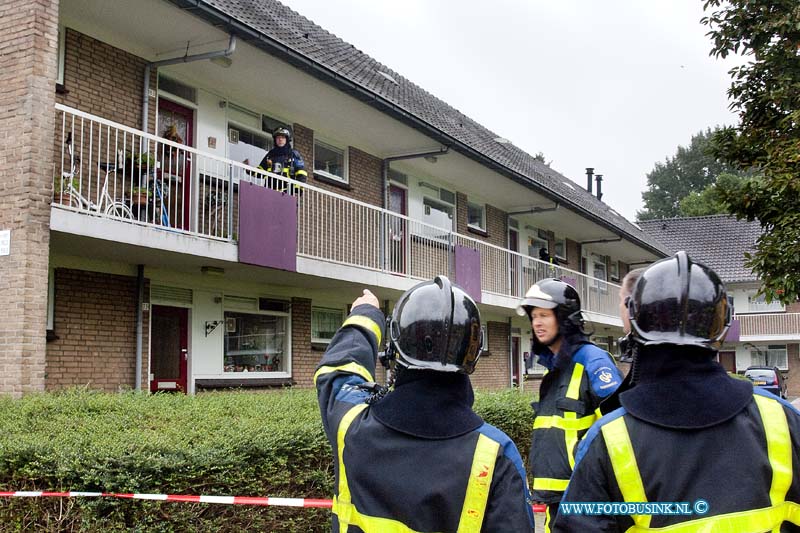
(484, 339)
(561, 249)
(324, 323)
(437, 213)
(256, 340)
(599, 267)
(476, 216)
(247, 144)
(330, 161)
(758, 304)
(535, 243)
(613, 270)
(771, 355)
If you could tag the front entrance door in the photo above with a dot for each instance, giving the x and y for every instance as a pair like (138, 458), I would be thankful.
(728, 360)
(176, 123)
(168, 348)
(515, 366)
(397, 230)
(513, 245)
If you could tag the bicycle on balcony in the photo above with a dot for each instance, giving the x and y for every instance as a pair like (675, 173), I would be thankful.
(106, 204)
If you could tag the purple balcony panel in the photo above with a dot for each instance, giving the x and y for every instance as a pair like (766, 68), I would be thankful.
(468, 271)
(570, 281)
(267, 227)
(734, 332)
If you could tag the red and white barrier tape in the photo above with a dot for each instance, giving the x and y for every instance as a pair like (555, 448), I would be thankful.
(228, 500)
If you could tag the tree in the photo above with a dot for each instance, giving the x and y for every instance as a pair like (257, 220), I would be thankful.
(709, 201)
(765, 92)
(691, 170)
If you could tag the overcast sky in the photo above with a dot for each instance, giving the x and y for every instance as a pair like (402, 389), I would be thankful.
(613, 84)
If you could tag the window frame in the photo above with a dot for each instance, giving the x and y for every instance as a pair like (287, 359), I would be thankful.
(345, 160)
(342, 314)
(765, 308)
(561, 257)
(482, 208)
(765, 350)
(287, 351)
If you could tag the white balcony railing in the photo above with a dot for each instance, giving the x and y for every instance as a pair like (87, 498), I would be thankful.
(113, 171)
(770, 324)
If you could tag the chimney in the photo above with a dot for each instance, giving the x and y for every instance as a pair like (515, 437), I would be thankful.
(589, 172)
(599, 179)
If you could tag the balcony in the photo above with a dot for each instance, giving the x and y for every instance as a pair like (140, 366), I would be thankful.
(769, 326)
(109, 171)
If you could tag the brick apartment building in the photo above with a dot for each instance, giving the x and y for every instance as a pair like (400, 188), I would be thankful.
(143, 252)
(762, 333)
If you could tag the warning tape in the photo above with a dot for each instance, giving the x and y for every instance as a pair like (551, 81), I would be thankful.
(227, 500)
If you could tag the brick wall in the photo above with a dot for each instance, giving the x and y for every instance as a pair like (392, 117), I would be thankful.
(573, 255)
(105, 81)
(95, 326)
(493, 371)
(304, 360)
(793, 307)
(364, 170)
(28, 58)
(496, 223)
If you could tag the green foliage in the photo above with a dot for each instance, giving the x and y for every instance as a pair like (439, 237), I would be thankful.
(709, 201)
(246, 444)
(765, 92)
(688, 173)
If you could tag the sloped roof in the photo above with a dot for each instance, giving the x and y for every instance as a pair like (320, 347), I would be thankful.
(718, 241)
(300, 36)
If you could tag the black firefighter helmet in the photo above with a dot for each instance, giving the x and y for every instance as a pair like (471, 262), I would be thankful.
(677, 301)
(551, 293)
(281, 131)
(436, 326)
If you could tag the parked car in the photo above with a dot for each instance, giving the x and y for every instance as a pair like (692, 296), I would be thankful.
(768, 378)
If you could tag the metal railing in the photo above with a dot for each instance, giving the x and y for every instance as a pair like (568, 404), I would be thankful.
(769, 324)
(110, 170)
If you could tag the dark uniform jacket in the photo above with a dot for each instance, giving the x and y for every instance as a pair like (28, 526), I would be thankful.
(686, 433)
(578, 378)
(290, 161)
(419, 459)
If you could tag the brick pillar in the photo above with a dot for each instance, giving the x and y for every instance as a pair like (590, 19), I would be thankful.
(304, 360)
(28, 57)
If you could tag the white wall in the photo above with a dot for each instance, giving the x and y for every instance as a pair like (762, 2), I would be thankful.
(206, 352)
(211, 122)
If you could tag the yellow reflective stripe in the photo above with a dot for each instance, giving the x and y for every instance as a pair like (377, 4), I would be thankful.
(365, 522)
(365, 323)
(558, 422)
(623, 461)
(570, 439)
(547, 483)
(352, 368)
(344, 489)
(547, 519)
(575, 381)
(755, 521)
(480, 481)
(779, 446)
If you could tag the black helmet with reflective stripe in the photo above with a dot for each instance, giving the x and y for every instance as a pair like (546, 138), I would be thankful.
(677, 301)
(436, 326)
(555, 294)
(284, 132)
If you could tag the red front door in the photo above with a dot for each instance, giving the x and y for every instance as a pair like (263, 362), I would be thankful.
(513, 245)
(728, 360)
(169, 346)
(176, 123)
(515, 374)
(397, 230)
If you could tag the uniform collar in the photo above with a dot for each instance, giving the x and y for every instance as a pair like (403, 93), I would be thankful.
(681, 387)
(429, 404)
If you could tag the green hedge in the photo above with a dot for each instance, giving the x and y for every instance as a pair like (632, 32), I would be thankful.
(246, 444)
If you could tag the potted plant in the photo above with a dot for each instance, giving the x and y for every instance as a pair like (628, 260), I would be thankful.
(140, 195)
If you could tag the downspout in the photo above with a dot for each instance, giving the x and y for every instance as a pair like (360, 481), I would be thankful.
(385, 187)
(512, 356)
(139, 309)
(184, 59)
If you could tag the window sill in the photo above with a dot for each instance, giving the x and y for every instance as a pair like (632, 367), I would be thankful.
(336, 182)
(319, 346)
(242, 383)
(477, 231)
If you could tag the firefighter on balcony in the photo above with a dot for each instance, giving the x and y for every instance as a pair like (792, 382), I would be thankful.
(283, 160)
(579, 375)
(416, 458)
(686, 431)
